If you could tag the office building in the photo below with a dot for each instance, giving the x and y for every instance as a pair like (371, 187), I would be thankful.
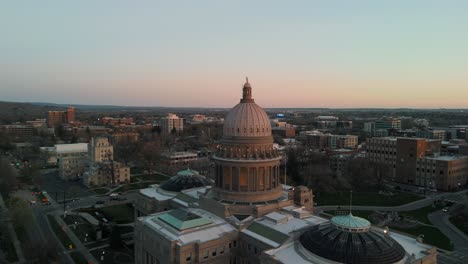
(56, 118)
(100, 149)
(388, 123)
(72, 160)
(172, 123)
(447, 173)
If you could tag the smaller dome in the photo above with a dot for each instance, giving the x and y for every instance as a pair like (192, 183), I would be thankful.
(351, 239)
(188, 172)
(350, 223)
(184, 182)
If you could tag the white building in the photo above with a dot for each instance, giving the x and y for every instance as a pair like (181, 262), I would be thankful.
(72, 159)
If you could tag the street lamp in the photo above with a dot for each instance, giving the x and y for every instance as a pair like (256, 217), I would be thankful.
(86, 238)
(102, 256)
(386, 230)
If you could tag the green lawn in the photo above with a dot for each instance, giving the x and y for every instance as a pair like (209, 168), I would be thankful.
(63, 237)
(421, 214)
(133, 186)
(432, 236)
(6, 245)
(78, 257)
(364, 198)
(121, 214)
(153, 177)
(461, 222)
(101, 190)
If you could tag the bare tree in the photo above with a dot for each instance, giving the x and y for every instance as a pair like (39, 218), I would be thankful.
(8, 181)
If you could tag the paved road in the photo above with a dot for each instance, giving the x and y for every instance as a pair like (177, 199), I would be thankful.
(406, 207)
(441, 220)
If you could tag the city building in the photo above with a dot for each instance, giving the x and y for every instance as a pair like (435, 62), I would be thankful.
(17, 131)
(171, 122)
(179, 158)
(369, 127)
(342, 141)
(388, 123)
(319, 140)
(401, 154)
(249, 217)
(72, 160)
(100, 149)
(125, 137)
(37, 123)
(382, 150)
(103, 170)
(106, 172)
(432, 134)
(177, 192)
(117, 121)
(56, 118)
(409, 150)
(447, 173)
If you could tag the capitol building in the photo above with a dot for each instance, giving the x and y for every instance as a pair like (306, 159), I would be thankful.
(247, 216)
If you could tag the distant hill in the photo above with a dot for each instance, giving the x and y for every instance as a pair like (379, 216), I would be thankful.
(20, 112)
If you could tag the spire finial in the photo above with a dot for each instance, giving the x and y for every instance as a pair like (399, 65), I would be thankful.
(247, 79)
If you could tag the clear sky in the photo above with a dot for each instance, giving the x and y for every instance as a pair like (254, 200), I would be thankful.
(329, 53)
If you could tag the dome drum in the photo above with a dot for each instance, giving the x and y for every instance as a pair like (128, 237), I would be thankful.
(247, 165)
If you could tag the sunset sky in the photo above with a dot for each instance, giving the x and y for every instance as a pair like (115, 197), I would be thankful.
(197, 53)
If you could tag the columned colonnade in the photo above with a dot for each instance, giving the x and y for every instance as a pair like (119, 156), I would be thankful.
(247, 178)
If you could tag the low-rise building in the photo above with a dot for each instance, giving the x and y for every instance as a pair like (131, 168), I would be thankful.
(445, 173)
(18, 131)
(179, 158)
(106, 173)
(72, 160)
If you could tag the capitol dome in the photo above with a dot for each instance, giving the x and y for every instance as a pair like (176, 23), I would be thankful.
(247, 119)
(351, 239)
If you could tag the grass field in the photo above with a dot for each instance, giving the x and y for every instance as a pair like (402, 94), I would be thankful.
(364, 198)
(152, 177)
(421, 214)
(133, 186)
(121, 214)
(461, 222)
(432, 236)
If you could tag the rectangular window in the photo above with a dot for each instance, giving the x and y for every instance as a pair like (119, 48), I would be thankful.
(243, 179)
(261, 179)
(206, 254)
(188, 256)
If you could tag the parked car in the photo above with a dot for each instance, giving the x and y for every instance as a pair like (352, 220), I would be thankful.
(445, 209)
(100, 202)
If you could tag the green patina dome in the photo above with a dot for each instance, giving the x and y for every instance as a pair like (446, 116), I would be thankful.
(350, 221)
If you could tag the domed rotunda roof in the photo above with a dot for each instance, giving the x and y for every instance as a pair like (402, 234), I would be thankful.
(186, 179)
(351, 239)
(247, 119)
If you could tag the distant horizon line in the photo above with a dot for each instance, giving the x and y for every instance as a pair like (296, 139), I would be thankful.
(77, 105)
